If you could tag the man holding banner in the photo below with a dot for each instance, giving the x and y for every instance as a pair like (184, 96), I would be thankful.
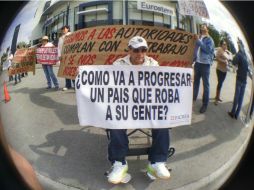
(48, 66)
(204, 53)
(118, 146)
(65, 32)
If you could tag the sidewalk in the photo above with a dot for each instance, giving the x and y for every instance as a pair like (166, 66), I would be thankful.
(43, 126)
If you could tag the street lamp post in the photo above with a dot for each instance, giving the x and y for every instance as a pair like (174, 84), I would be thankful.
(67, 13)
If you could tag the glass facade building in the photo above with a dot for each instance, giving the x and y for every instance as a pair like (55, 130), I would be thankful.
(84, 14)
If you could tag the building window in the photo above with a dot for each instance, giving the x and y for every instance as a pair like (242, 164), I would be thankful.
(47, 5)
(96, 13)
(95, 18)
(117, 13)
(76, 9)
(185, 23)
(148, 18)
(55, 25)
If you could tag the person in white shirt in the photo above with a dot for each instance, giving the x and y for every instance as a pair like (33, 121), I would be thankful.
(65, 32)
(118, 145)
(7, 63)
(48, 68)
(203, 57)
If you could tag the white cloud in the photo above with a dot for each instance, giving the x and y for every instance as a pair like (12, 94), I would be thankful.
(25, 18)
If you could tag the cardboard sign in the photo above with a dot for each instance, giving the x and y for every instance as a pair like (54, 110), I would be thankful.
(23, 61)
(103, 45)
(47, 55)
(193, 8)
(130, 97)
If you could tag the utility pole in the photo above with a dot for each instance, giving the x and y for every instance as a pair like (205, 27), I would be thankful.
(177, 15)
(67, 13)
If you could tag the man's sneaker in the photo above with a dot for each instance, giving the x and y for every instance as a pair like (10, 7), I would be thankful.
(158, 170)
(119, 173)
(64, 89)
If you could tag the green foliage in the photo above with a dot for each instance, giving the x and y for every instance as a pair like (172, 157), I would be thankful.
(218, 36)
(215, 34)
(228, 39)
(22, 45)
(3, 58)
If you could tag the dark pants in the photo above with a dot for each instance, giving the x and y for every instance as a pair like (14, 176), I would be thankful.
(119, 145)
(10, 78)
(17, 77)
(49, 73)
(238, 98)
(68, 83)
(221, 77)
(201, 71)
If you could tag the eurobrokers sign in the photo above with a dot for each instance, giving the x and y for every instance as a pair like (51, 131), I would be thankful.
(147, 6)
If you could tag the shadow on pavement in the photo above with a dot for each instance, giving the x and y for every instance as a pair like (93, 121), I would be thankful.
(66, 113)
(76, 155)
(215, 122)
(81, 156)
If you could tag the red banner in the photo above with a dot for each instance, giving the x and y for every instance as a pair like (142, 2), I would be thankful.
(47, 55)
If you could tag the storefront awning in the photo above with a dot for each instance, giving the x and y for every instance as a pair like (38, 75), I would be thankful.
(48, 22)
(92, 11)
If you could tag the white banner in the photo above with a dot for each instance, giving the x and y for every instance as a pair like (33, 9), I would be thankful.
(193, 8)
(155, 7)
(130, 97)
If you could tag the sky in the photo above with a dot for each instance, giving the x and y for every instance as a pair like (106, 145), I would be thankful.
(222, 19)
(25, 18)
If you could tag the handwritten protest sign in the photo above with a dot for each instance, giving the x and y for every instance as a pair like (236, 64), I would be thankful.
(23, 61)
(193, 8)
(103, 45)
(121, 97)
(47, 55)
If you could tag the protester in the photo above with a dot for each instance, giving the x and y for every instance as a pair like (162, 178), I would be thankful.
(8, 62)
(18, 75)
(118, 146)
(203, 58)
(48, 68)
(240, 60)
(65, 32)
(25, 73)
(221, 69)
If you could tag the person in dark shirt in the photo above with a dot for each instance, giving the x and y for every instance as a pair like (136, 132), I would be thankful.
(240, 60)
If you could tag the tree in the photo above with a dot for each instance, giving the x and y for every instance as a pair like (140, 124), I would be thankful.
(215, 34)
(3, 58)
(22, 44)
(228, 39)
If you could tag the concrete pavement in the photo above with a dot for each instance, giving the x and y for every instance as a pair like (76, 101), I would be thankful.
(43, 126)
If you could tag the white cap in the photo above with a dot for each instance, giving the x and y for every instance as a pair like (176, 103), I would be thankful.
(137, 42)
(45, 38)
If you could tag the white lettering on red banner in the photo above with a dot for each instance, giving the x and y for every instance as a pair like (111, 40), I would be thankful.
(47, 55)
